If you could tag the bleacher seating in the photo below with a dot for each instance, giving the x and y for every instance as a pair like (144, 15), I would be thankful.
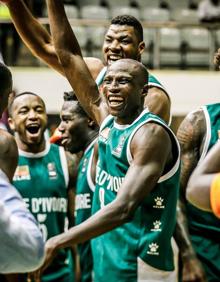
(170, 47)
(185, 15)
(197, 42)
(155, 14)
(178, 46)
(94, 12)
(72, 12)
(125, 10)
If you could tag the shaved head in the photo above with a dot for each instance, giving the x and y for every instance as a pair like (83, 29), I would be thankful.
(137, 69)
(8, 153)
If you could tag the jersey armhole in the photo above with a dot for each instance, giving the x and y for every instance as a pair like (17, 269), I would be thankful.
(64, 165)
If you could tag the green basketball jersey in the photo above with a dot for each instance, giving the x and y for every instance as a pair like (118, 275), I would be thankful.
(148, 234)
(204, 227)
(83, 205)
(42, 180)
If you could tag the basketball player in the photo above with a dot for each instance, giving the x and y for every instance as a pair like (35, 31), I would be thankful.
(43, 177)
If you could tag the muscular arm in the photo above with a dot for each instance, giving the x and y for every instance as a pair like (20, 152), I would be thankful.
(198, 189)
(158, 103)
(38, 40)
(148, 166)
(69, 53)
(190, 135)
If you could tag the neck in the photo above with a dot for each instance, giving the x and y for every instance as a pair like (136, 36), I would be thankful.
(91, 136)
(31, 148)
(128, 119)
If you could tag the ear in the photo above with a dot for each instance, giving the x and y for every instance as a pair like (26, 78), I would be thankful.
(11, 124)
(91, 123)
(141, 47)
(145, 90)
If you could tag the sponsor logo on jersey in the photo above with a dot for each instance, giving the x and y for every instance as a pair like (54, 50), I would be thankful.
(117, 151)
(22, 173)
(103, 136)
(52, 172)
(153, 247)
(158, 203)
(156, 226)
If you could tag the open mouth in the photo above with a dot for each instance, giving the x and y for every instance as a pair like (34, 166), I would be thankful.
(33, 129)
(115, 101)
(113, 58)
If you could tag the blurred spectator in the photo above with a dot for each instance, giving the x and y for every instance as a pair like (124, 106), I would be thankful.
(9, 39)
(209, 11)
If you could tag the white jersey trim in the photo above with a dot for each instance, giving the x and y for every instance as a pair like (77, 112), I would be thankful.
(64, 165)
(175, 167)
(99, 78)
(208, 134)
(105, 121)
(35, 155)
(124, 126)
(88, 173)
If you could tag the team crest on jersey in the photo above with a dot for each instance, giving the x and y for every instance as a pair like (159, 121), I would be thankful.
(52, 170)
(219, 134)
(117, 151)
(22, 173)
(104, 134)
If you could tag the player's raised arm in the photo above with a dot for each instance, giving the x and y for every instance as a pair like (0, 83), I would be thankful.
(38, 39)
(34, 35)
(69, 53)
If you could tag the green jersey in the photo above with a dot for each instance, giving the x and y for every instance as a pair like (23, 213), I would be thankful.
(148, 234)
(83, 205)
(42, 180)
(204, 227)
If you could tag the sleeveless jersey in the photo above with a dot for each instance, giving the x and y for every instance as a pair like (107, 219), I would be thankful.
(148, 234)
(83, 205)
(42, 180)
(204, 227)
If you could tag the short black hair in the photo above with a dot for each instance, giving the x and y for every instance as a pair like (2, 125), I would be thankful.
(130, 21)
(5, 79)
(70, 96)
(15, 96)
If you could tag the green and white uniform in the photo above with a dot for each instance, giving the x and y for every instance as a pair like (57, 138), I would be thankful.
(148, 235)
(152, 82)
(83, 205)
(42, 180)
(204, 227)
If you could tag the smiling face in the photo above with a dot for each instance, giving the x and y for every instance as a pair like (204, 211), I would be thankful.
(121, 41)
(73, 127)
(29, 120)
(123, 89)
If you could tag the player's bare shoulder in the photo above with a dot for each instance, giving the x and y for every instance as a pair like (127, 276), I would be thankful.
(192, 130)
(94, 65)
